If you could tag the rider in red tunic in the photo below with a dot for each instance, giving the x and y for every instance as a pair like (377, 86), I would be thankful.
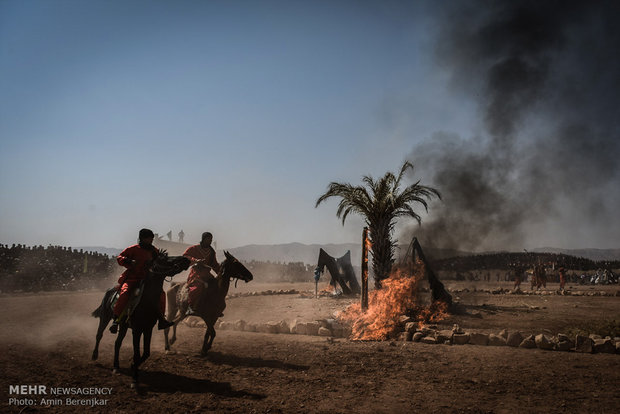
(137, 259)
(203, 260)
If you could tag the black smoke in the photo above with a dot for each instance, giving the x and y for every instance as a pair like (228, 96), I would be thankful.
(546, 79)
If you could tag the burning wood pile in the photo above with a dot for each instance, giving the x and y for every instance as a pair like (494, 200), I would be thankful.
(398, 297)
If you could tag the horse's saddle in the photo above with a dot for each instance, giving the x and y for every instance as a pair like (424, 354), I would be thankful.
(183, 293)
(134, 299)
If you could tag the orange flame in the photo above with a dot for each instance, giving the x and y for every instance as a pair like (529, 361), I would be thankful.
(368, 243)
(398, 296)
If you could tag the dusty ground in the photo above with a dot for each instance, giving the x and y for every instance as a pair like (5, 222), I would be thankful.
(47, 339)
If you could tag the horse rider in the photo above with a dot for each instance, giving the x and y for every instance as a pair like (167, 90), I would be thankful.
(203, 260)
(137, 259)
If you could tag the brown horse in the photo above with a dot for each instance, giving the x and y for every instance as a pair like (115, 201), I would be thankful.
(212, 301)
(144, 314)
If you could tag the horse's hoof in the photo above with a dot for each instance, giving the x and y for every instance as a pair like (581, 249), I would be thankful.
(134, 385)
(169, 352)
(94, 357)
(115, 371)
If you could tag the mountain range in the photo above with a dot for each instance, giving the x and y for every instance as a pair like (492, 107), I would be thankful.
(308, 253)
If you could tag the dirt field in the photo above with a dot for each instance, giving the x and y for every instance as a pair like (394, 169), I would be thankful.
(47, 339)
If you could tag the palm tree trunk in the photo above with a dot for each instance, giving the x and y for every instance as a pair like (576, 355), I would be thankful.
(382, 251)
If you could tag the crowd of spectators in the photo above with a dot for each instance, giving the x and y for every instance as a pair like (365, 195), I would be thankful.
(38, 268)
(506, 261)
(501, 266)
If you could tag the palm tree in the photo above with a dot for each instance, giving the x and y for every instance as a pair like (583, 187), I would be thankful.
(380, 202)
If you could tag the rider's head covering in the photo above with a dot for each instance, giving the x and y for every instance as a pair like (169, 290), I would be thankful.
(145, 234)
(207, 234)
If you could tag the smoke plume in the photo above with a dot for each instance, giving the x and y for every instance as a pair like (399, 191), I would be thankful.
(546, 79)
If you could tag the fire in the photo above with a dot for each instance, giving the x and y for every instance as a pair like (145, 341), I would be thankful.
(397, 297)
(368, 247)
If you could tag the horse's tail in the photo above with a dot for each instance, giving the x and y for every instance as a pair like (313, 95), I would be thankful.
(97, 313)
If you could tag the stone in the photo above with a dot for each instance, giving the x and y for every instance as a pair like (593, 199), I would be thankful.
(427, 331)
(595, 337)
(417, 337)
(460, 339)
(404, 319)
(283, 328)
(312, 328)
(239, 325)
(542, 342)
(514, 339)
(325, 323)
(443, 336)
(226, 325)
(476, 338)
(564, 346)
(563, 338)
(269, 327)
(324, 332)
(250, 327)
(410, 327)
(405, 336)
(584, 344)
(428, 340)
(604, 346)
(300, 328)
(496, 340)
(528, 343)
(504, 334)
(338, 330)
(456, 329)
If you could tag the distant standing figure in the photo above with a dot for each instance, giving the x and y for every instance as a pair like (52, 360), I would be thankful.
(181, 235)
(562, 273)
(518, 273)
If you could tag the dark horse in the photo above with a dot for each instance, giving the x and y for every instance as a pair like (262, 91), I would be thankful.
(341, 271)
(212, 301)
(144, 314)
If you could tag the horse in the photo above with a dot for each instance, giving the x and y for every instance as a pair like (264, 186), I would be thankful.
(144, 314)
(212, 301)
(341, 271)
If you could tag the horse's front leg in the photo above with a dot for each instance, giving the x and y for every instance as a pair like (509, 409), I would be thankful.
(136, 356)
(103, 322)
(122, 331)
(208, 340)
(146, 348)
(181, 315)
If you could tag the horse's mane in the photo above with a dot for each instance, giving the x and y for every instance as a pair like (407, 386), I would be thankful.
(165, 265)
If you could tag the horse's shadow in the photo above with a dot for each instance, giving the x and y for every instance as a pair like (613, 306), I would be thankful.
(167, 383)
(219, 358)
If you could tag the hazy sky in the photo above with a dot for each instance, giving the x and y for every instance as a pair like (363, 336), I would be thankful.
(227, 116)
